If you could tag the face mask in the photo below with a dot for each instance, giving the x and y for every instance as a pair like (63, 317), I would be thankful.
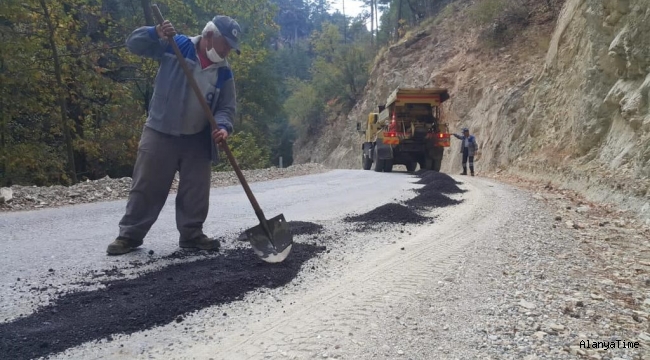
(213, 56)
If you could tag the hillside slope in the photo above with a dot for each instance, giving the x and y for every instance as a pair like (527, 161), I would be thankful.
(565, 101)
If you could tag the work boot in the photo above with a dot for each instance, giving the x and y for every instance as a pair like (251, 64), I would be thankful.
(464, 171)
(122, 245)
(200, 242)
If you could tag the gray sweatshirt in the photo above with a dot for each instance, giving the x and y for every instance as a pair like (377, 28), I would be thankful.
(174, 103)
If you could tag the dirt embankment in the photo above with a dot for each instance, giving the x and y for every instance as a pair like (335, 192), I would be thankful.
(565, 100)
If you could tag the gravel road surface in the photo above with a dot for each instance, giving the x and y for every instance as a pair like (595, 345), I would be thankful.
(473, 269)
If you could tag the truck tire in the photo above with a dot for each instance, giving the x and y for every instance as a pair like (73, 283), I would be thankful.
(435, 157)
(410, 167)
(388, 165)
(423, 165)
(366, 162)
(428, 163)
(379, 164)
(431, 164)
(437, 163)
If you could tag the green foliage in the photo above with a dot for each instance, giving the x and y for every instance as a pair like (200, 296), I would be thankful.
(82, 103)
(339, 71)
(304, 106)
(248, 150)
(73, 100)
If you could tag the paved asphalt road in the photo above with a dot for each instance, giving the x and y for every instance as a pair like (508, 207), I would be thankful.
(72, 240)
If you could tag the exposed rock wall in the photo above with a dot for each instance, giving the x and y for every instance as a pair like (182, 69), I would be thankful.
(566, 101)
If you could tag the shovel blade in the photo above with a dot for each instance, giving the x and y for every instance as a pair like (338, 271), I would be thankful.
(276, 248)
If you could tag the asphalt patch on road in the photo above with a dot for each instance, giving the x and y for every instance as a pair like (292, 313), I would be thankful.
(157, 298)
(296, 227)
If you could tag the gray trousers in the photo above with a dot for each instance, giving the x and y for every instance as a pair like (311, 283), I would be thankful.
(159, 157)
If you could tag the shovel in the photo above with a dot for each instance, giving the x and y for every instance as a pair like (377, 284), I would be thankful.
(271, 239)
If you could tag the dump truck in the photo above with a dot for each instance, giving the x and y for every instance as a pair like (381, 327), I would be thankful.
(408, 130)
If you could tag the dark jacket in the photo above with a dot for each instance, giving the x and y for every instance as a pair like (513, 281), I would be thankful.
(472, 148)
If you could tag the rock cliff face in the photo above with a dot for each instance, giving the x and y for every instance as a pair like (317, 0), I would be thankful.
(566, 100)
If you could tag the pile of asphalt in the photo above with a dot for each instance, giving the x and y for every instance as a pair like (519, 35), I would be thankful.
(153, 299)
(428, 177)
(304, 228)
(432, 194)
(438, 182)
(389, 213)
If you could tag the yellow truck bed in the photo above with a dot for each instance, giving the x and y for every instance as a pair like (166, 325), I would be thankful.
(433, 96)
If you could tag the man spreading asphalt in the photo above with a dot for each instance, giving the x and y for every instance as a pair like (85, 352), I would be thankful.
(468, 148)
(176, 135)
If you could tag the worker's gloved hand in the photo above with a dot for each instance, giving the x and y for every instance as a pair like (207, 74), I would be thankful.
(218, 135)
(167, 29)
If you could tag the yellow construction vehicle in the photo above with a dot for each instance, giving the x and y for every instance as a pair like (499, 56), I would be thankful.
(407, 130)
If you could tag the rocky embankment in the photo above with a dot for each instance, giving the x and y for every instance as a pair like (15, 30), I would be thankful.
(20, 197)
(563, 99)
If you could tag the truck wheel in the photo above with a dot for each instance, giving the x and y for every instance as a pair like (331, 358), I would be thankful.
(410, 167)
(379, 164)
(436, 159)
(366, 162)
(428, 163)
(437, 163)
(388, 165)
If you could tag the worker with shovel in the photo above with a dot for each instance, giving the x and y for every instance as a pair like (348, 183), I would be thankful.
(177, 136)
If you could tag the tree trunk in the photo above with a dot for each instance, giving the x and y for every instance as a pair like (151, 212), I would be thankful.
(3, 150)
(414, 13)
(148, 15)
(376, 23)
(345, 26)
(372, 23)
(399, 17)
(61, 98)
(376, 17)
(4, 115)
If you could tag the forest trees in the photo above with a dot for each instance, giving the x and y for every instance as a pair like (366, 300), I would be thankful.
(73, 100)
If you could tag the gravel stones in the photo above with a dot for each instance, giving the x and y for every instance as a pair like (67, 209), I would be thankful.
(6, 195)
(106, 189)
